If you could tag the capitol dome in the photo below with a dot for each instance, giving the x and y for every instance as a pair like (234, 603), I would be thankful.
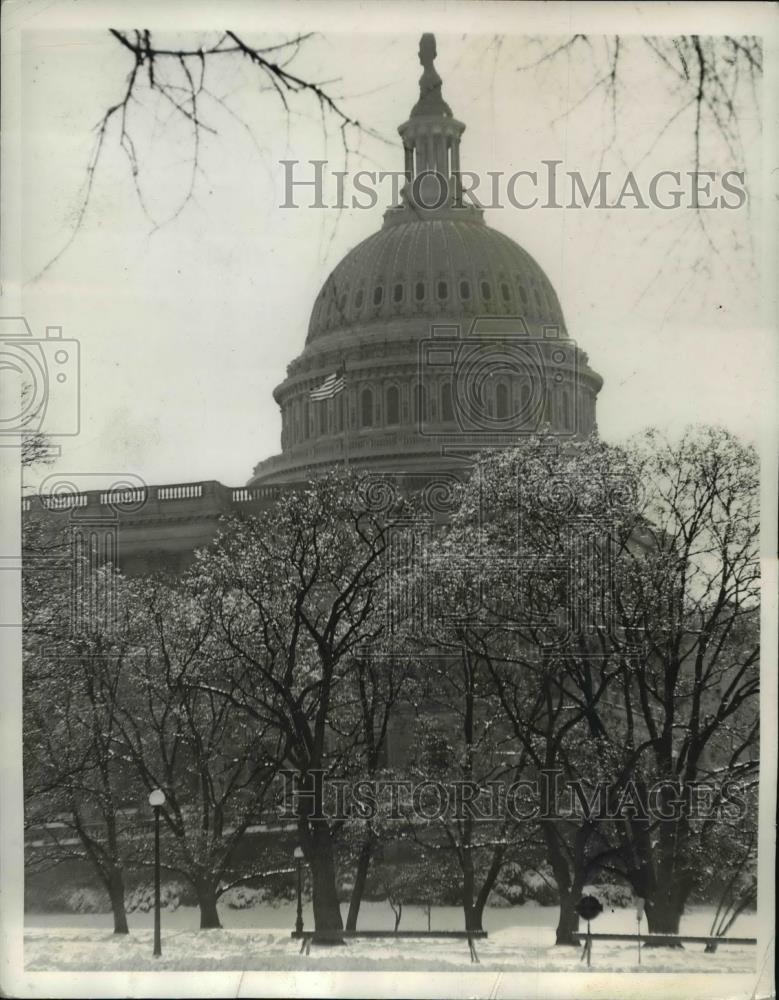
(454, 266)
(434, 336)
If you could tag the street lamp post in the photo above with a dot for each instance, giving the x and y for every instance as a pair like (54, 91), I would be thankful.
(298, 856)
(640, 903)
(156, 801)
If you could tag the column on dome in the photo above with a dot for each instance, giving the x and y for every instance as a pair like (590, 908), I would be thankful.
(408, 152)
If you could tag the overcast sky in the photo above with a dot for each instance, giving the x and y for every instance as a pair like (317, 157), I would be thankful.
(185, 330)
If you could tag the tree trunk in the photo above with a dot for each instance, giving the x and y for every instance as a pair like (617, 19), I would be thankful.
(115, 884)
(569, 888)
(474, 922)
(477, 913)
(668, 882)
(663, 914)
(328, 923)
(568, 921)
(206, 900)
(360, 878)
(468, 887)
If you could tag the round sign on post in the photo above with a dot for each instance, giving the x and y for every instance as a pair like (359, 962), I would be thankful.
(589, 907)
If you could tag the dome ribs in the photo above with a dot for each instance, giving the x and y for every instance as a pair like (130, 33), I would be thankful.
(451, 250)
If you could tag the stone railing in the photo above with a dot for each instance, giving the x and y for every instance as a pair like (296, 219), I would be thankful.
(207, 494)
(245, 494)
(184, 491)
(124, 496)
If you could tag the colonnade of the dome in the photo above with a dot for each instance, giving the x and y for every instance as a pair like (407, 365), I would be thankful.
(407, 398)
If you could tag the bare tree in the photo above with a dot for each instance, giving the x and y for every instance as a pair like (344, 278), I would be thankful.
(691, 599)
(381, 683)
(177, 76)
(711, 86)
(649, 554)
(77, 786)
(710, 78)
(214, 764)
(295, 595)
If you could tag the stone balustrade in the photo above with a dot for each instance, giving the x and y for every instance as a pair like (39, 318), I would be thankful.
(149, 499)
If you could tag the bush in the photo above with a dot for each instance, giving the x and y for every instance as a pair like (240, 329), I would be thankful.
(50, 891)
(243, 897)
(87, 901)
(612, 895)
(41, 898)
(141, 898)
(517, 885)
(540, 886)
(432, 882)
(509, 887)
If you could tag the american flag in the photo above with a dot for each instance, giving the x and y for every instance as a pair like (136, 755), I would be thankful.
(331, 386)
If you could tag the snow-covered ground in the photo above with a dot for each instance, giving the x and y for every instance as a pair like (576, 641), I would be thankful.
(520, 938)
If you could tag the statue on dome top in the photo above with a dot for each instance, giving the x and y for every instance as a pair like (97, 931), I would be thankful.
(430, 100)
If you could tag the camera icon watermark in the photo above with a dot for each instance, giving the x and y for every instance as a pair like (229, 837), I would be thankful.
(48, 374)
(434, 499)
(496, 382)
(84, 516)
(552, 582)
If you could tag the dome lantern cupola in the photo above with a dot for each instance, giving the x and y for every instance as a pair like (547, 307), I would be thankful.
(431, 142)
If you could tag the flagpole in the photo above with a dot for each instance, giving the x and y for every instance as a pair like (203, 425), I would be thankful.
(346, 419)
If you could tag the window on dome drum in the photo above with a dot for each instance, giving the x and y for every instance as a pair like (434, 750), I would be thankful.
(447, 410)
(524, 404)
(502, 400)
(486, 290)
(358, 299)
(537, 297)
(393, 405)
(505, 291)
(419, 291)
(465, 290)
(523, 294)
(397, 293)
(322, 422)
(306, 428)
(567, 422)
(342, 303)
(420, 404)
(378, 295)
(366, 408)
(339, 412)
(442, 289)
